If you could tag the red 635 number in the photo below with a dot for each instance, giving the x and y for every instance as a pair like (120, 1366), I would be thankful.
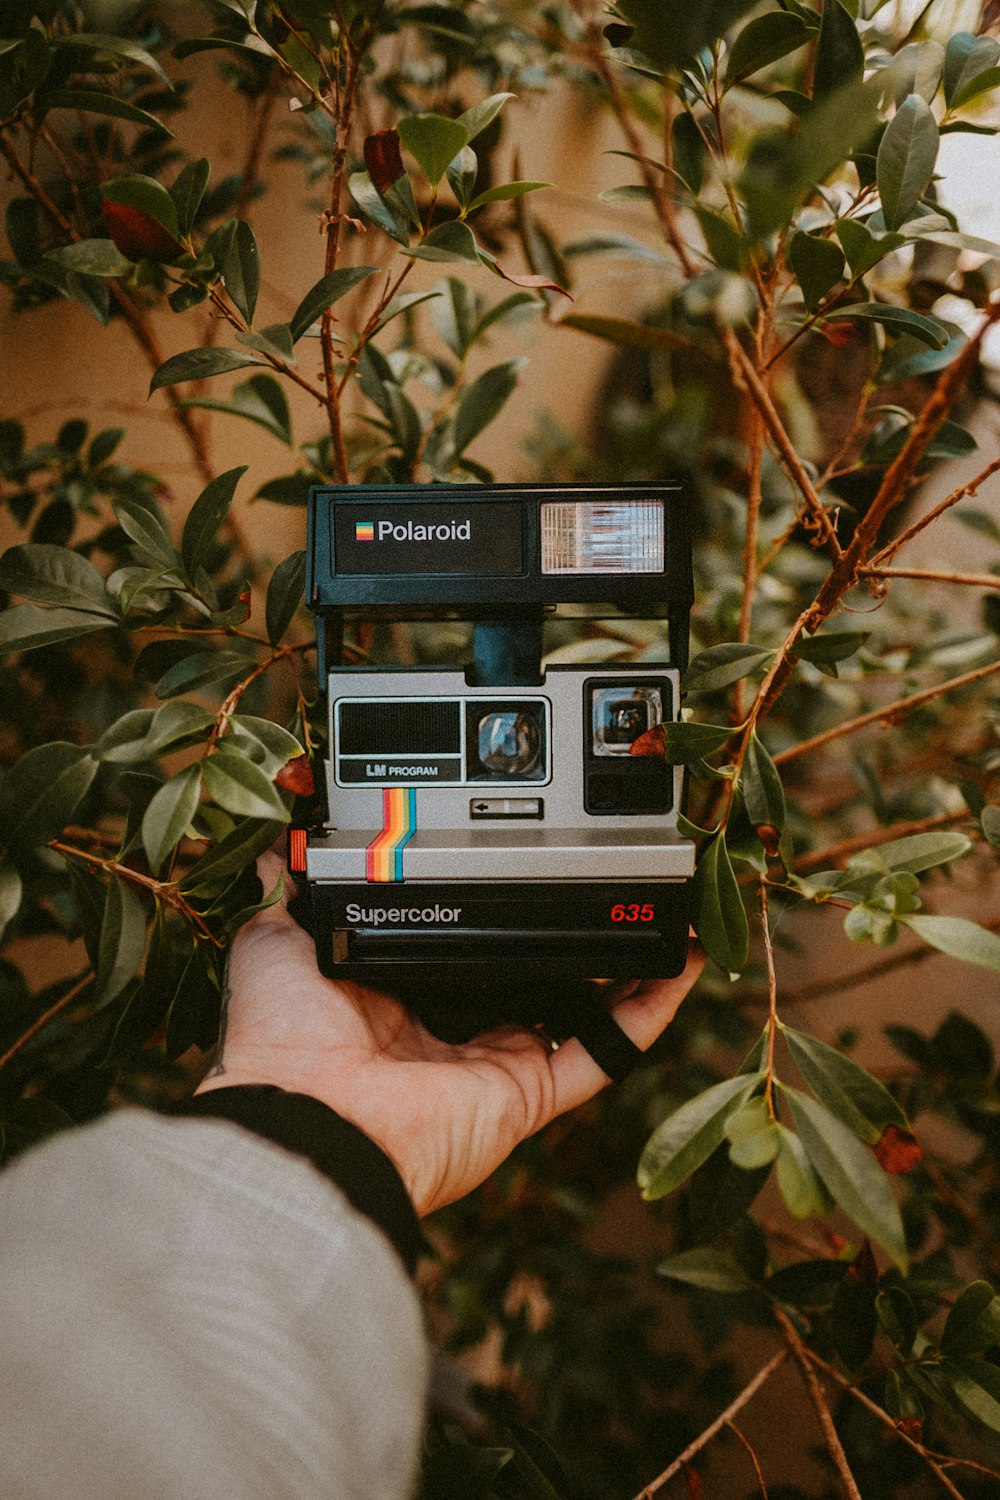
(633, 913)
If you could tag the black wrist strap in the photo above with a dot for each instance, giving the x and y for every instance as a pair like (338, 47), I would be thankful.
(342, 1152)
(580, 1010)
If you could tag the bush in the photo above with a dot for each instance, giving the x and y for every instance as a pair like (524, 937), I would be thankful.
(813, 340)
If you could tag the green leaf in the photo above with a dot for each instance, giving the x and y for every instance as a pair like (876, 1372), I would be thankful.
(804, 1194)
(26, 626)
(973, 1324)
(450, 241)
(764, 40)
(958, 938)
(169, 815)
(455, 313)
(143, 734)
(818, 264)
(504, 192)
(328, 290)
(199, 364)
(753, 1135)
(92, 258)
(966, 58)
(288, 489)
(689, 1135)
(267, 744)
(40, 792)
(719, 916)
(687, 742)
(624, 331)
(906, 159)
(206, 516)
(55, 575)
(720, 666)
(840, 55)
(274, 341)
(917, 852)
(284, 595)
(146, 195)
(114, 46)
(260, 399)
(897, 1317)
(475, 120)
(236, 784)
(782, 168)
(896, 319)
(760, 782)
(847, 1090)
(231, 855)
(976, 1385)
(673, 35)
(123, 941)
(432, 140)
(89, 101)
(831, 646)
(863, 248)
(484, 400)
(202, 669)
(187, 191)
(989, 820)
(711, 1270)
(850, 1173)
(146, 529)
(241, 269)
(26, 65)
(11, 892)
(394, 222)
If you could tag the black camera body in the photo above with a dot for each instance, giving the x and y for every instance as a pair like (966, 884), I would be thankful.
(498, 837)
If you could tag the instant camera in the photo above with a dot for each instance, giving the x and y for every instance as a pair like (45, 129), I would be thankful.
(500, 838)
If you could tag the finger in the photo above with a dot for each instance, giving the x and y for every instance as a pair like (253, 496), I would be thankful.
(643, 1015)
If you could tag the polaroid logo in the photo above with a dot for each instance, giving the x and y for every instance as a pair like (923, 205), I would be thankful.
(416, 531)
(364, 531)
(380, 916)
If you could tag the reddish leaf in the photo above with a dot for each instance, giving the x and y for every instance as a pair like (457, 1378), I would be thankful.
(650, 742)
(693, 1482)
(383, 159)
(837, 334)
(897, 1151)
(137, 235)
(770, 837)
(913, 1427)
(533, 283)
(296, 777)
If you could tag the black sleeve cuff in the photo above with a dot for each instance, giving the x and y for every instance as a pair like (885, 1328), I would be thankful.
(342, 1152)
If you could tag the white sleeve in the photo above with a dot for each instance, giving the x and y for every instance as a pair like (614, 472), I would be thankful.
(187, 1311)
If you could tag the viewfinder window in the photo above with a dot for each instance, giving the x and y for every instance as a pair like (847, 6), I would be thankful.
(602, 536)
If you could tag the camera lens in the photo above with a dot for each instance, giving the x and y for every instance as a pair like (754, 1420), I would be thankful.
(621, 713)
(625, 721)
(509, 742)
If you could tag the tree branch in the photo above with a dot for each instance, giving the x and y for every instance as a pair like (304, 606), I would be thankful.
(889, 711)
(820, 1404)
(704, 1438)
(39, 1024)
(963, 491)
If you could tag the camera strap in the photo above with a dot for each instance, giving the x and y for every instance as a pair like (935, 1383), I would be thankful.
(581, 1011)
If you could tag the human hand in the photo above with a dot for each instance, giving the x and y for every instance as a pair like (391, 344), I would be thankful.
(447, 1115)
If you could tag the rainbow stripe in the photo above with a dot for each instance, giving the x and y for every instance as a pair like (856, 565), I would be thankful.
(384, 856)
(364, 531)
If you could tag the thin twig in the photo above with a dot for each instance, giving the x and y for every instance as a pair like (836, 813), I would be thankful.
(888, 711)
(772, 997)
(741, 1437)
(704, 1438)
(933, 575)
(884, 1417)
(971, 487)
(820, 1404)
(49, 1015)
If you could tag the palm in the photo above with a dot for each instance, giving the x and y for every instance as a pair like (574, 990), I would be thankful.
(446, 1114)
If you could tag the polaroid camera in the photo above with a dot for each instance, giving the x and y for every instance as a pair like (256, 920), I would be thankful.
(500, 838)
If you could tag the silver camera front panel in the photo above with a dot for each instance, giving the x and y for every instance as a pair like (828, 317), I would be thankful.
(525, 815)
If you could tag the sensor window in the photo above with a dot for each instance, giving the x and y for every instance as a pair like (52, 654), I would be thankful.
(602, 536)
